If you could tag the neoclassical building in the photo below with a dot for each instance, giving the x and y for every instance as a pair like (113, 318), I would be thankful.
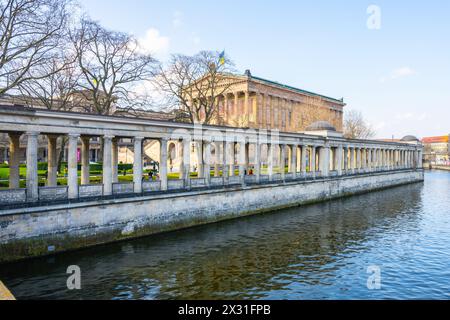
(247, 102)
(253, 102)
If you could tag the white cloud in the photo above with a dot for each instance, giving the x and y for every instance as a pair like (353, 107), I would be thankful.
(154, 43)
(398, 73)
(177, 20)
(402, 72)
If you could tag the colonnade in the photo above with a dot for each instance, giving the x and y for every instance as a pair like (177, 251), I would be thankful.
(295, 159)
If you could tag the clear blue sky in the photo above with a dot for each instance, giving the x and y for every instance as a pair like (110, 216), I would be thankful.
(397, 76)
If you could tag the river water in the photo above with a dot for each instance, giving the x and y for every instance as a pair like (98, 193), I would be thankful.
(398, 239)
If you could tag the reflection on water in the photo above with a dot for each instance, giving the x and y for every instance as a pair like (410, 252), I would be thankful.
(313, 252)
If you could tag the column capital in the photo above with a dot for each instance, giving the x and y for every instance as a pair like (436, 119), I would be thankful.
(85, 138)
(138, 138)
(108, 136)
(14, 134)
(32, 133)
(52, 136)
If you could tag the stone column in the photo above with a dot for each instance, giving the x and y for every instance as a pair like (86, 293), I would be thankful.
(181, 168)
(339, 160)
(32, 166)
(246, 108)
(52, 170)
(186, 162)
(358, 159)
(411, 157)
(294, 160)
(420, 162)
(257, 170)
(405, 159)
(270, 154)
(107, 165)
(14, 170)
(137, 164)
(200, 159)
(115, 160)
(283, 151)
(247, 158)
(370, 160)
(85, 160)
(352, 159)
(388, 159)
(344, 159)
(312, 166)
(72, 170)
(378, 158)
(216, 159)
(232, 157)
(324, 160)
(381, 151)
(273, 106)
(163, 164)
(363, 159)
(225, 161)
(207, 162)
(241, 159)
(304, 151)
(236, 106)
(374, 159)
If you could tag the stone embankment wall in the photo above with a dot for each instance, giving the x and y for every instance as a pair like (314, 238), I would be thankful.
(41, 231)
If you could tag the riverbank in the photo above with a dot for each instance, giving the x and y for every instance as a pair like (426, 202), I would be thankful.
(444, 168)
(39, 231)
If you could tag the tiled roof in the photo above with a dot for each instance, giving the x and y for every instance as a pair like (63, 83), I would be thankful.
(439, 139)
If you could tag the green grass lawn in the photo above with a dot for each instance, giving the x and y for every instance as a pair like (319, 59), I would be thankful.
(96, 176)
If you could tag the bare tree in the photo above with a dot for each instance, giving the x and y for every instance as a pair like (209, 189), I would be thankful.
(30, 30)
(112, 65)
(355, 127)
(56, 85)
(54, 88)
(195, 84)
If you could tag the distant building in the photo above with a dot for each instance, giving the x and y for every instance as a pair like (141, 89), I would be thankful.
(253, 102)
(248, 102)
(437, 150)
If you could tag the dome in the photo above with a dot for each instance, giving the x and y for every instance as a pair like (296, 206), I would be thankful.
(409, 139)
(320, 126)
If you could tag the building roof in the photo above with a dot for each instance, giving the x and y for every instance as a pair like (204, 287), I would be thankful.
(287, 87)
(320, 126)
(438, 139)
(284, 86)
(409, 138)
